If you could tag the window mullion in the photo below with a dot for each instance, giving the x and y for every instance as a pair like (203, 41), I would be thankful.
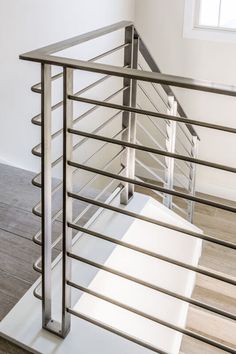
(219, 14)
(197, 12)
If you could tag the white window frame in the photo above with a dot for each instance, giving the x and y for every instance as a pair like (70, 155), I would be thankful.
(195, 31)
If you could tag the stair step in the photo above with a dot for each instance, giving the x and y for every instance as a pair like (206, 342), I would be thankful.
(206, 323)
(216, 299)
(213, 326)
(192, 346)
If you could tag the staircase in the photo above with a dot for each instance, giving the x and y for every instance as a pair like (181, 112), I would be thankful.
(118, 169)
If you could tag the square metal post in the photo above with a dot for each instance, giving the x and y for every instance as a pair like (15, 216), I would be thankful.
(170, 146)
(133, 117)
(46, 190)
(192, 178)
(67, 201)
(129, 119)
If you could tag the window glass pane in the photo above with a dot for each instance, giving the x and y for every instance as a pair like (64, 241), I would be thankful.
(228, 14)
(209, 12)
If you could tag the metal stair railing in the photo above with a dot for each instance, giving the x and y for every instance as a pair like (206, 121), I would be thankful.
(123, 181)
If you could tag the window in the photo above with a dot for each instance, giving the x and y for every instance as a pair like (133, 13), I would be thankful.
(219, 14)
(210, 19)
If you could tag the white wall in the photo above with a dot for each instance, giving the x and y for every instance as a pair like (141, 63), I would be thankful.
(160, 23)
(26, 25)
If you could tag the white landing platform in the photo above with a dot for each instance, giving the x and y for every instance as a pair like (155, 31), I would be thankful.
(23, 324)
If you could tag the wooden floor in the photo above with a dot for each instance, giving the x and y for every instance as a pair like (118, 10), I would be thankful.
(18, 252)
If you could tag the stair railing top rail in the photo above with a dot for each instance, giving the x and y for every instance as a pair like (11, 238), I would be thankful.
(44, 55)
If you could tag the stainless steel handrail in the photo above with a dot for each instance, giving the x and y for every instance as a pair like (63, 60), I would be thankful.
(163, 79)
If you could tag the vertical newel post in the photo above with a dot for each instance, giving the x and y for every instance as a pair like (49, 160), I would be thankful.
(128, 58)
(170, 147)
(133, 118)
(129, 119)
(67, 201)
(46, 190)
(192, 178)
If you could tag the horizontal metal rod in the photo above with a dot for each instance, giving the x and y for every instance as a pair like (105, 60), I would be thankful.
(163, 79)
(115, 272)
(109, 52)
(36, 266)
(187, 136)
(154, 187)
(36, 212)
(75, 121)
(184, 147)
(157, 193)
(198, 235)
(35, 182)
(164, 134)
(154, 114)
(149, 170)
(161, 195)
(186, 163)
(38, 296)
(93, 109)
(35, 151)
(97, 198)
(152, 150)
(59, 186)
(148, 97)
(84, 115)
(184, 173)
(37, 119)
(154, 105)
(60, 104)
(150, 136)
(159, 289)
(36, 237)
(116, 331)
(37, 87)
(181, 210)
(167, 89)
(152, 318)
(178, 180)
(157, 91)
(156, 255)
(154, 157)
